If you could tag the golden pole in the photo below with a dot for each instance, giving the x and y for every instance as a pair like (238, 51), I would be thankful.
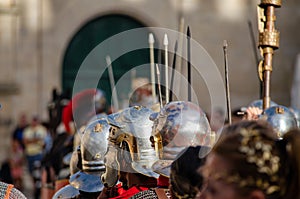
(268, 42)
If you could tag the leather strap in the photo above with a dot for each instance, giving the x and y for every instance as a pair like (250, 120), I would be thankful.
(161, 193)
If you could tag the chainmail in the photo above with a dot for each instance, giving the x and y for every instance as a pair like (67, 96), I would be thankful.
(13, 194)
(148, 194)
(151, 194)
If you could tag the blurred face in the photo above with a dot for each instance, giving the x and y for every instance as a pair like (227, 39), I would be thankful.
(217, 188)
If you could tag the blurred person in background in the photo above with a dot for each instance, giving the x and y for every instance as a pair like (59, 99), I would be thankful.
(17, 134)
(34, 141)
(16, 162)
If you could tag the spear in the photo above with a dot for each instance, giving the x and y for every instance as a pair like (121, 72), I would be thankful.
(159, 88)
(112, 83)
(152, 67)
(227, 81)
(166, 43)
(173, 70)
(189, 64)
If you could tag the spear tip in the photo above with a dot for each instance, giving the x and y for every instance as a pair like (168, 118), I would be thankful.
(188, 32)
(151, 38)
(108, 60)
(225, 45)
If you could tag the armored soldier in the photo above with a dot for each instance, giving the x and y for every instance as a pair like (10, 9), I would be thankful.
(178, 125)
(86, 165)
(130, 155)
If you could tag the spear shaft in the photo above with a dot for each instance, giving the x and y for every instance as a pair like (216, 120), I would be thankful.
(173, 70)
(189, 64)
(166, 43)
(152, 67)
(112, 83)
(227, 81)
(159, 86)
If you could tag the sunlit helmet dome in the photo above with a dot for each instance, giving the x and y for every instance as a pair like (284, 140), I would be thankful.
(281, 118)
(179, 125)
(94, 145)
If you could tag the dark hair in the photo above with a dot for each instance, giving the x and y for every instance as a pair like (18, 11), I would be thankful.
(291, 147)
(185, 180)
(238, 146)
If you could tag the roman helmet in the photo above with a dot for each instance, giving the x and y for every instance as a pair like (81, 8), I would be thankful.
(179, 125)
(281, 118)
(129, 135)
(93, 147)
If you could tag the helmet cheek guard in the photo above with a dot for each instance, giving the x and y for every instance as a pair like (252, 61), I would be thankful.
(156, 141)
(93, 147)
(111, 175)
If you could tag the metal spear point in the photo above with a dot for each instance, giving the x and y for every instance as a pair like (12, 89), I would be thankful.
(166, 43)
(112, 83)
(152, 67)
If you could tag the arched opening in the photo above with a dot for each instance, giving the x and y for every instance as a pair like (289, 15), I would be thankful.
(88, 37)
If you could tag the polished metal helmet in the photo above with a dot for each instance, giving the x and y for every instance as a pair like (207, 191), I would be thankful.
(132, 127)
(66, 192)
(281, 118)
(297, 115)
(259, 104)
(179, 125)
(93, 147)
(89, 183)
(96, 117)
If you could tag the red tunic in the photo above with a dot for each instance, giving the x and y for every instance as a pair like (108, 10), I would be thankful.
(81, 103)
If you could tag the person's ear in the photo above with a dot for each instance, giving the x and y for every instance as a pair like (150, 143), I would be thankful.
(257, 195)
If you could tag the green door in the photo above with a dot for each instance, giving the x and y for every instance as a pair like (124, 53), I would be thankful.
(87, 38)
